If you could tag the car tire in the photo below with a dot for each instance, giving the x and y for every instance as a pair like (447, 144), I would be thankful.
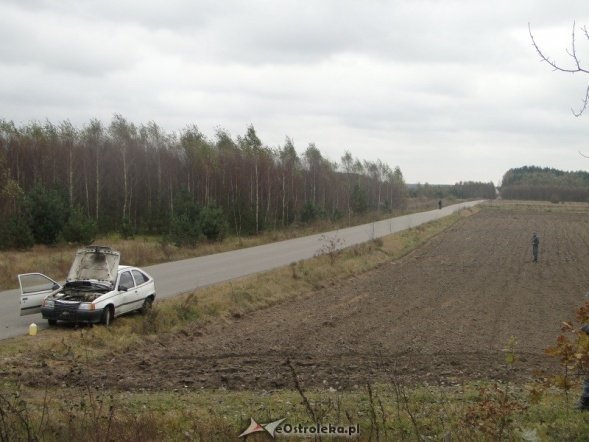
(147, 305)
(52, 321)
(106, 316)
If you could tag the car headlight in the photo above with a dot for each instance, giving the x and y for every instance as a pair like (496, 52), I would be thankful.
(48, 303)
(86, 306)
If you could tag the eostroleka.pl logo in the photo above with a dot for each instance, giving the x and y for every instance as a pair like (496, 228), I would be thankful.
(256, 427)
(278, 428)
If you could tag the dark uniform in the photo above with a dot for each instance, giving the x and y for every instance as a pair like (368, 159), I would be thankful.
(535, 245)
(583, 403)
(439, 204)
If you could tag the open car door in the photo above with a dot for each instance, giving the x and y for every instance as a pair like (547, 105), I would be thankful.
(34, 288)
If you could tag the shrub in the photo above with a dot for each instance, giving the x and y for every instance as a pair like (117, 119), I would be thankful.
(185, 227)
(127, 231)
(311, 212)
(79, 228)
(48, 213)
(185, 205)
(184, 231)
(359, 201)
(336, 215)
(213, 223)
(572, 349)
(16, 234)
(330, 246)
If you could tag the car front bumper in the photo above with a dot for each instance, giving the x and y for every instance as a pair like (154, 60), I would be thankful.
(76, 316)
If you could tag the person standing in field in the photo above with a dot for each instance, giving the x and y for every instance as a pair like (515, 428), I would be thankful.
(439, 204)
(583, 403)
(535, 246)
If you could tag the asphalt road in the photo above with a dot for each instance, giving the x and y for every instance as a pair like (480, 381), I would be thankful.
(177, 277)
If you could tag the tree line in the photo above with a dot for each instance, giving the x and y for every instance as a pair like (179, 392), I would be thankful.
(460, 190)
(139, 178)
(547, 184)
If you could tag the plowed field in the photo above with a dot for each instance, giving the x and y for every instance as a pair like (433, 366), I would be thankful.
(440, 315)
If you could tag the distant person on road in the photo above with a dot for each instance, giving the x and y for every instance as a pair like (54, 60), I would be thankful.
(535, 245)
(439, 204)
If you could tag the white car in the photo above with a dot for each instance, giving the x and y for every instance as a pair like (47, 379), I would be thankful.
(97, 289)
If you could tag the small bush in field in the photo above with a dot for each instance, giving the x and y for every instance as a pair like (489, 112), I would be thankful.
(572, 350)
(331, 246)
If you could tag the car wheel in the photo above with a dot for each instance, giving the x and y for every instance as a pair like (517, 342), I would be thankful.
(106, 316)
(147, 304)
(52, 321)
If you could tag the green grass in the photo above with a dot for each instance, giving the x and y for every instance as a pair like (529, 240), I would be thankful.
(394, 412)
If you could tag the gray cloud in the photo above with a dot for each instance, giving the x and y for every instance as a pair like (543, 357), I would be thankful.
(50, 40)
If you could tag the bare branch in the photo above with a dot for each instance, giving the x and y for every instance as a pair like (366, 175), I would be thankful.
(584, 106)
(301, 392)
(539, 51)
(582, 154)
(572, 53)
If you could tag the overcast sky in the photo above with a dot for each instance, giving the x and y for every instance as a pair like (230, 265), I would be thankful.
(447, 90)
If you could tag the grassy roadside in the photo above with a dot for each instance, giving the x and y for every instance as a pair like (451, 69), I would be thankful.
(144, 250)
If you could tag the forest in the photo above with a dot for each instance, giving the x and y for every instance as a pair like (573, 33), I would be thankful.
(59, 182)
(460, 190)
(546, 184)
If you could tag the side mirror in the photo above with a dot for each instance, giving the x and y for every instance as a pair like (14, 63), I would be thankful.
(123, 288)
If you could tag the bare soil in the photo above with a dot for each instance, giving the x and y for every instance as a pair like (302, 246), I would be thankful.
(441, 315)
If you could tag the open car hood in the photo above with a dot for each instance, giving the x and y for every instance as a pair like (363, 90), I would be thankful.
(95, 263)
